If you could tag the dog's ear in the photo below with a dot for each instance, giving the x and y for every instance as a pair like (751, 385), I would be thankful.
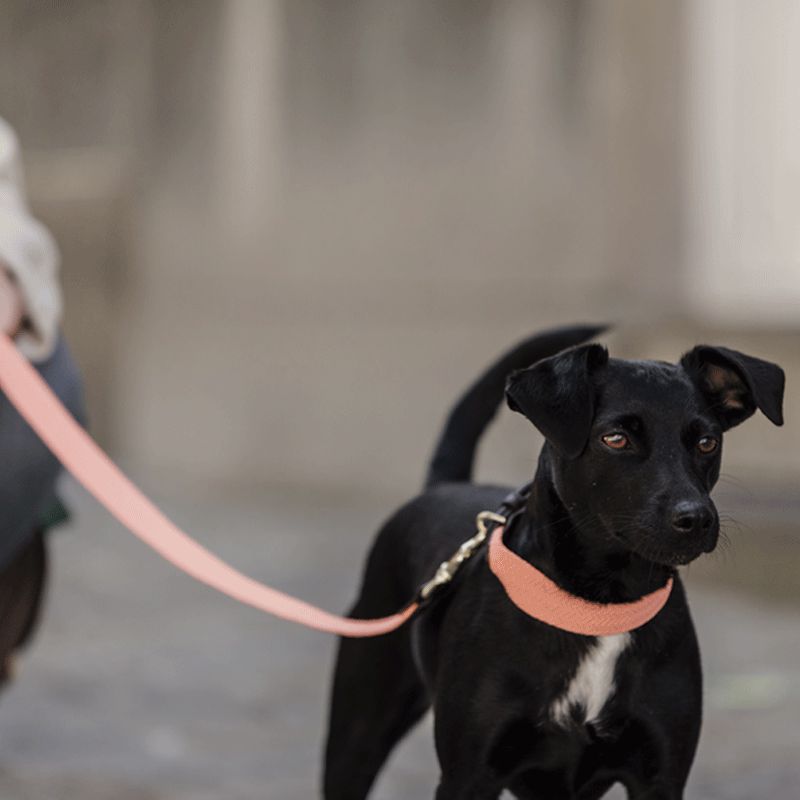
(735, 384)
(557, 396)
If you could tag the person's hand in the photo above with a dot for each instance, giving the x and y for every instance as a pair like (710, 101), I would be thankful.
(12, 309)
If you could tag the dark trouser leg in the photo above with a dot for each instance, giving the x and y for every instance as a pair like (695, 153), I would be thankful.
(22, 584)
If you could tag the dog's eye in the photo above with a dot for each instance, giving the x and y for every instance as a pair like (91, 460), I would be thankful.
(707, 445)
(616, 441)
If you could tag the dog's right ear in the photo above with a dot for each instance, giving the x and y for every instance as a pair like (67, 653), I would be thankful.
(557, 396)
(735, 384)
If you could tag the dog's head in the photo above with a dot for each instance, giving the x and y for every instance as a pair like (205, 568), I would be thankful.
(635, 446)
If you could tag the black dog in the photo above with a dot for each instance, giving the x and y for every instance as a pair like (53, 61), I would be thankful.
(620, 498)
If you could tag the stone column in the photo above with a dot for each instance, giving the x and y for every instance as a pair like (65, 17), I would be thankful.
(743, 189)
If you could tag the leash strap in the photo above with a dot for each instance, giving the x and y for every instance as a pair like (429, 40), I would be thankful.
(90, 466)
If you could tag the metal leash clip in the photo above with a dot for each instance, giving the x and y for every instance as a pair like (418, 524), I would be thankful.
(447, 569)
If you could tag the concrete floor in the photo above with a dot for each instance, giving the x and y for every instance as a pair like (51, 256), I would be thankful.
(143, 685)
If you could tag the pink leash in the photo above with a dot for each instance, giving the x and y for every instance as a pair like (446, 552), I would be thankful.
(91, 467)
(527, 588)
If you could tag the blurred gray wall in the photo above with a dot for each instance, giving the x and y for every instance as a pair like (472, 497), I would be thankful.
(292, 231)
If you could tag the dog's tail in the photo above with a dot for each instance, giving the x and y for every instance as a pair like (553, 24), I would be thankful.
(455, 451)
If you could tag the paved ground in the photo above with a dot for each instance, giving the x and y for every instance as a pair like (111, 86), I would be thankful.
(144, 685)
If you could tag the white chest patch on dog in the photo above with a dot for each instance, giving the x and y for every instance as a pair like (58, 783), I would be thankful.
(592, 684)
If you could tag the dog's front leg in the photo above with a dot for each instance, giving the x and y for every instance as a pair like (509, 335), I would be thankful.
(468, 787)
(461, 746)
(649, 771)
(480, 750)
(466, 774)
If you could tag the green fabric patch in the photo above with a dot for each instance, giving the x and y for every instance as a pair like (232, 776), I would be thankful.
(54, 515)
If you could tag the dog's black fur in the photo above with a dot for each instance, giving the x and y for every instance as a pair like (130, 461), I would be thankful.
(620, 498)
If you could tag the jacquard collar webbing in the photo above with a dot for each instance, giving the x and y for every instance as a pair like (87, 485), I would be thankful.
(539, 597)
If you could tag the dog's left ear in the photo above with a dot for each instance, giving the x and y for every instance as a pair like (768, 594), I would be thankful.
(557, 395)
(735, 384)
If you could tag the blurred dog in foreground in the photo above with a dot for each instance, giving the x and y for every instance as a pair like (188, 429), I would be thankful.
(620, 499)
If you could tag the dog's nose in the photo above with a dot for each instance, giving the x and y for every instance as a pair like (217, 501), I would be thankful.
(690, 516)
